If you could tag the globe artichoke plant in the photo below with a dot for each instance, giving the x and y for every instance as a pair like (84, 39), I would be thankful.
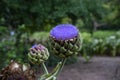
(65, 41)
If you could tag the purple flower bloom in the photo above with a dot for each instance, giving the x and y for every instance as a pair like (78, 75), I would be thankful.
(64, 32)
(34, 46)
(37, 47)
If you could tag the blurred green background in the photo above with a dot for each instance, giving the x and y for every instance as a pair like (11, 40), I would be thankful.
(27, 22)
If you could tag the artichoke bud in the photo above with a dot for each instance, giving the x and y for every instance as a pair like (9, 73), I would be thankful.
(38, 54)
(65, 40)
(14, 71)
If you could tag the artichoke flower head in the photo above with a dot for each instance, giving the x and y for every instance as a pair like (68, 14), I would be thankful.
(38, 54)
(65, 40)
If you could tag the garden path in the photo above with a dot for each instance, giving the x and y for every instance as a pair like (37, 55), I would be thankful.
(99, 68)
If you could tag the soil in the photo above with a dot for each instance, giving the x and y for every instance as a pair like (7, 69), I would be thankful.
(99, 68)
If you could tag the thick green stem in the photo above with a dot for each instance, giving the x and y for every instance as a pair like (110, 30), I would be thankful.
(57, 70)
(44, 68)
(61, 67)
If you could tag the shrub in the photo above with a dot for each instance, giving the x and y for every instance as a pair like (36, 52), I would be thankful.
(103, 34)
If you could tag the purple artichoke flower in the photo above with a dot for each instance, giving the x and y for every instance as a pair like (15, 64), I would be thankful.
(64, 32)
(65, 40)
(38, 54)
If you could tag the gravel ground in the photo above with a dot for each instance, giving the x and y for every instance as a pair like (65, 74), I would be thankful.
(99, 68)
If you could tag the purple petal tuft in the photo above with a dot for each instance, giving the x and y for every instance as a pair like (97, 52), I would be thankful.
(64, 32)
(34, 46)
(38, 47)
